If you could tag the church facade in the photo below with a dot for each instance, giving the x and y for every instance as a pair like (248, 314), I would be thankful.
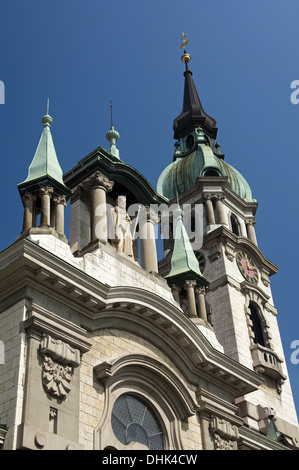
(107, 347)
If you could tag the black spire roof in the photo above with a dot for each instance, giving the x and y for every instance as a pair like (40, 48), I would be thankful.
(193, 114)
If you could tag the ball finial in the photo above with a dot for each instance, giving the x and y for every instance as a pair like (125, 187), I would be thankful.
(185, 57)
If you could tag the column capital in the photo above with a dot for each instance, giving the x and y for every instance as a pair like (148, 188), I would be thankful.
(207, 197)
(218, 197)
(201, 290)
(60, 200)
(46, 191)
(147, 214)
(189, 284)
(250, 221)
(28, 197)
(175, 289)
(98, 180)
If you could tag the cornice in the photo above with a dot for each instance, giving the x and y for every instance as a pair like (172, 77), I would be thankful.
(131, 308)
(251, 439)
(41, 321)
(224, 235)
(216, 185)
(177, 332)
(117, 171)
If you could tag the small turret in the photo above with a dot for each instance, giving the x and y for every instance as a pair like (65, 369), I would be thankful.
(44, 192)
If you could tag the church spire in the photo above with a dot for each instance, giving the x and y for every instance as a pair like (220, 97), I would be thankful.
(44, 192)
(184, 265)
(193, 114)
(45, 166)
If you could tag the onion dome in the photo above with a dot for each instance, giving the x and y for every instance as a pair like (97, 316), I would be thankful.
(182, 174)
(197, 154)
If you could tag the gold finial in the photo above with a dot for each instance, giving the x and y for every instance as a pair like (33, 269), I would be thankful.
(185, 57)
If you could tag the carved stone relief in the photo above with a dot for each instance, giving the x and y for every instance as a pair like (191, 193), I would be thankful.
(59, 361)
(224, 433)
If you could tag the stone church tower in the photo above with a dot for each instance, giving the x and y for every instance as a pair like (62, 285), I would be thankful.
(107, 348)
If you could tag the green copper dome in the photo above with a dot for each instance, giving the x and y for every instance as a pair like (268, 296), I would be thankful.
(182, 174)
(197, 155)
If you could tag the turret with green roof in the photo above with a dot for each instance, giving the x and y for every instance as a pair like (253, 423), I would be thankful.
(44, 192)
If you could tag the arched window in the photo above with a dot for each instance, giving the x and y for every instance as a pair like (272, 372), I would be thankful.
(234, 224)
(133, 421)
(144, 406)
(189, 142)
(256, 325)
(211, 172)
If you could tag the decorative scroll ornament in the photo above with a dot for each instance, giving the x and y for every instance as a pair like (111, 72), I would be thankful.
(225, 434)
(56, 377)
(59, 361)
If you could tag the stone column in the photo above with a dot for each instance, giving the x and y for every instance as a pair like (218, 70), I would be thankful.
(189, 286)
(45, 195)
(210, 209)
(220, 209)
(176, 292)
(53, 214)
(27, 200)
(251, 231)
(60, 204)
(98, 185)
(200, 293)
(148, 220)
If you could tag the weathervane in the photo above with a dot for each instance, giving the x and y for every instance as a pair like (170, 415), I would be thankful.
(184, 41)
(185, 57)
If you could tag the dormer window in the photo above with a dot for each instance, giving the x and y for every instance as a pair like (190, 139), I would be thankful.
(211, 173)
(189, 142)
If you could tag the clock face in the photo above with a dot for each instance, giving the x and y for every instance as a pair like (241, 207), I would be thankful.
(247, 267)
(201, 260)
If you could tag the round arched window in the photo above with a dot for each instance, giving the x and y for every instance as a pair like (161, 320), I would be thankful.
(190, 142)
(133, 421)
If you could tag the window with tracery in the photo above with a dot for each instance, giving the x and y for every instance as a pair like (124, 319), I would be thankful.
(133, 420)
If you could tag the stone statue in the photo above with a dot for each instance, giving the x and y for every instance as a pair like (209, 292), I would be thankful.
(121, 237)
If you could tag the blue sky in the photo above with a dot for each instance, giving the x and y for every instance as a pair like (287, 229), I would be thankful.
(80, 54)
